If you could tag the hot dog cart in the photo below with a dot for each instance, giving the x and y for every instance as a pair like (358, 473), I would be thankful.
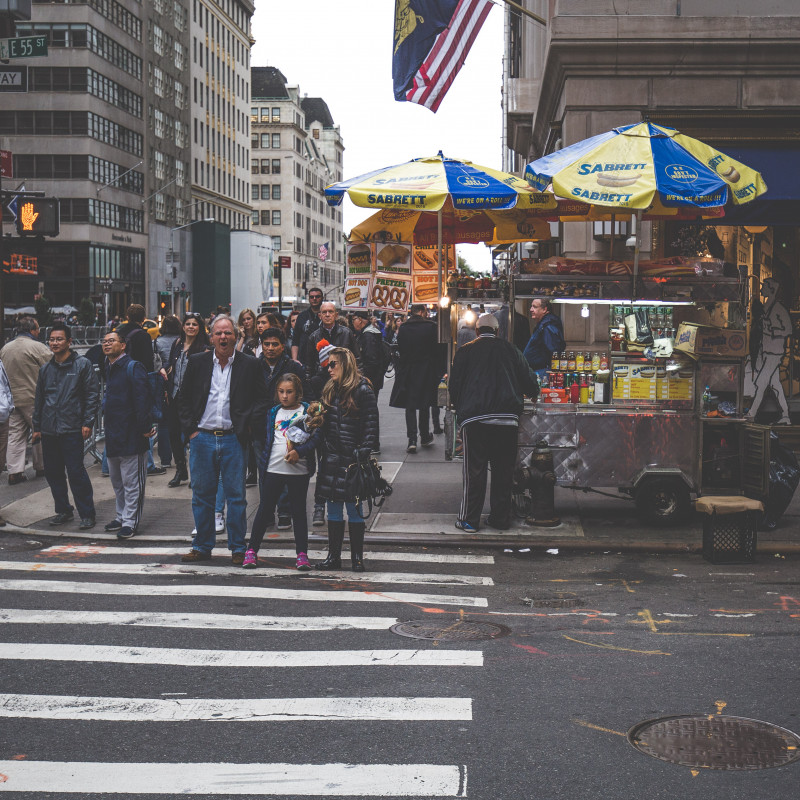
(659, 429)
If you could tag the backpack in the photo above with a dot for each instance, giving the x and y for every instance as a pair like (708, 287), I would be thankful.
(156, 382)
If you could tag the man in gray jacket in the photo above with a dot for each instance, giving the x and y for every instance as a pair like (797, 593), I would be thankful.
(67, 396)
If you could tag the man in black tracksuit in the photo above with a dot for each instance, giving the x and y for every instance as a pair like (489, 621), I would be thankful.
(487, 382)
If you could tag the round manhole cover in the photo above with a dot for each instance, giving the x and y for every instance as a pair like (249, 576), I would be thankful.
(555, 600)
(459, 631)
(716, 742)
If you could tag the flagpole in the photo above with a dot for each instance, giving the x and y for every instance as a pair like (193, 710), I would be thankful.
(525, 11)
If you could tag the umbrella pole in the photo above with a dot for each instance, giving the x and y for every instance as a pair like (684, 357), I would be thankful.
(636, 253)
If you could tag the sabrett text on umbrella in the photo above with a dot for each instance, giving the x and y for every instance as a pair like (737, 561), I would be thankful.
(397, 199)
(601, 197)
(588, 169)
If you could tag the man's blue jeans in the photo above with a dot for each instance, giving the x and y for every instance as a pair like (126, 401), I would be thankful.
(64, 453)
(209, 457)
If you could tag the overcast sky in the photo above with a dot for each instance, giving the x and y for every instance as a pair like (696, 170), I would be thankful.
(341, 51)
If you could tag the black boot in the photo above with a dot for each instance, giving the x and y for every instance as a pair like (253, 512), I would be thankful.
(181, 474)
(357, 545)
(335, 539)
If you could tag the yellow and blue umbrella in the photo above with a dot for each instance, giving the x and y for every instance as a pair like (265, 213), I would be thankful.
(632, 167)
(426, 184)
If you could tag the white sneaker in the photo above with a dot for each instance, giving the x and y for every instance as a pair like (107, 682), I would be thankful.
(219, 522)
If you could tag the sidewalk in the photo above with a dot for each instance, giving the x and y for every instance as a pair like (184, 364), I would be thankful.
(420, 512)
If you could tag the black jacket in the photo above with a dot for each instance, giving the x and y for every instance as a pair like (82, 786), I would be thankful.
(338, 336)
(420, 364)
(283, 366)
(488, 379)
(370, 342)
(343, 434)
(249, 403)
(305, 324)
(127, 406)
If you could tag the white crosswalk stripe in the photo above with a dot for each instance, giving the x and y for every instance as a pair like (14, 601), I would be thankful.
(262, 572)
(141, 709)
(408, 558)
(249, 592)
(73, 639)
(241, 622)
(314, 780)
(171, 656)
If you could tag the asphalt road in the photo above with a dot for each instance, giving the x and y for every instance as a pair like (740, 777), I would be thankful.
(163, 680)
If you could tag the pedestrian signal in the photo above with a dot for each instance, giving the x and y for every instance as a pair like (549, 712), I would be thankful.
(39, 216)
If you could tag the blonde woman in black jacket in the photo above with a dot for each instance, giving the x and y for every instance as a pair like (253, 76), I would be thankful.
(350, 428)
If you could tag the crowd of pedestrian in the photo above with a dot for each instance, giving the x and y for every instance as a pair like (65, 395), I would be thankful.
(265, 401)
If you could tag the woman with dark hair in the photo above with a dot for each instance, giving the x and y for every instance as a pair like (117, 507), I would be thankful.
(248, 337)
(289, 329)
(350, 429)
(193, 339)
(170, 331)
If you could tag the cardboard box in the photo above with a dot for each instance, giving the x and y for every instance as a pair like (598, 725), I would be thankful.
(704, 340)
(554, 396)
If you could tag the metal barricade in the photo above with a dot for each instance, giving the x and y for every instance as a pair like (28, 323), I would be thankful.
(98, 431)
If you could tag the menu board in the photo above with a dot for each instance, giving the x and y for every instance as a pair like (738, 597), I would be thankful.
(426, 259)
(394, 257)
(357, 291)
(390, 293)
(360, 259)
(676, 385)
(634, 382)
(426, 287)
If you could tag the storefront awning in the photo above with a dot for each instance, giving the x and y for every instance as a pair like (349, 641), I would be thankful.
(780, 168)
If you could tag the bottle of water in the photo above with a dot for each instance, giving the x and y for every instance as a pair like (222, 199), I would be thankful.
(706, 400)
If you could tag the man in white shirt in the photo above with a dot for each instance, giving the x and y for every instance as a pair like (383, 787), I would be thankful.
(222, 405)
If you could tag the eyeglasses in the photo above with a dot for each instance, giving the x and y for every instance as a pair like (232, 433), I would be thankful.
(104, 342)
(61, 339)
(332, 364)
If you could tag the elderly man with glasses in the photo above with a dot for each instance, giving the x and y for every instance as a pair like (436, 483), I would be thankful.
(64, 410)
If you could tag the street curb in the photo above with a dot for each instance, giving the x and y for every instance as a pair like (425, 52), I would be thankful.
(445, 540)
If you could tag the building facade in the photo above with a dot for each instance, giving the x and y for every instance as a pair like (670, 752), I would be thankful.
(295, 151)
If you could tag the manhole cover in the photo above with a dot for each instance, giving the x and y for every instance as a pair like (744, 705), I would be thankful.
(716, 742)
(459, 631)
(555, 600)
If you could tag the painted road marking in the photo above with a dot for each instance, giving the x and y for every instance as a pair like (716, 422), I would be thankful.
(261, 572)
(167, 656)
(247, 592)
(148, 619)
(346, 780)
(103, 550)
(135, 709)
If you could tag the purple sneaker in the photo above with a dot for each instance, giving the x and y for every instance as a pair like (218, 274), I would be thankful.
(250, 559)
(302, 563)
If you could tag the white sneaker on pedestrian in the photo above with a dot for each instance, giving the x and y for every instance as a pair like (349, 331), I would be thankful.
(219, 522)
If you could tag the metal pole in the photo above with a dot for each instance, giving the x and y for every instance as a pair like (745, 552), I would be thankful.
(280, 289)
(2, 274)
(636, 251)
(440, 313)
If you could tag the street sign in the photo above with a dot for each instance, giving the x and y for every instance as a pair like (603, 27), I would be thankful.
(285, 262)
(39, 216)
(13, 79)
(6, 164)
(23, 47)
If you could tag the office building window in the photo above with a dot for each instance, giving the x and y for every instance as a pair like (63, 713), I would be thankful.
(276, 191)
(276, 141)
(265, 217)
(254, 195)
(255, 218)
(265, 191)
(254, 166)
(276, 166)
(276, 114)
(265, 141)
(276, 243)
(265, 166)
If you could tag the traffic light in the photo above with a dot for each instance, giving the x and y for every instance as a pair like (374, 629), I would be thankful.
(38, 216)
(163, 304)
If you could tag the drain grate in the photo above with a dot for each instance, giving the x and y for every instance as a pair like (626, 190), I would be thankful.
(716, 742)
(459, 631)
(555, 600)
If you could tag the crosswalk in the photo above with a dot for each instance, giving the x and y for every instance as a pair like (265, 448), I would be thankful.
(69, 624)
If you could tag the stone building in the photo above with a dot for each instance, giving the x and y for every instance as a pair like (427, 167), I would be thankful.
(296, 150)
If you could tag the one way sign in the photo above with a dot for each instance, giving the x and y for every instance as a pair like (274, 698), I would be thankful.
(13, 79)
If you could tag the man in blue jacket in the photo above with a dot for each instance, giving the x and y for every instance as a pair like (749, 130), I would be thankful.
(129, 427)
(547, 337)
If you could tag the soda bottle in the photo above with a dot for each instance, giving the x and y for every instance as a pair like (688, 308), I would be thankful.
(571, 360)
(562, 362)
(579, 361)
(707, 400)
(554, 360)
(595, 361)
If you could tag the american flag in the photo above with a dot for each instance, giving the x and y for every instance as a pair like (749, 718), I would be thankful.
(323, 252)
(448, 54)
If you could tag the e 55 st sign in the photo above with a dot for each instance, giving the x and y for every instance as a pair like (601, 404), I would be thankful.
(39, 216)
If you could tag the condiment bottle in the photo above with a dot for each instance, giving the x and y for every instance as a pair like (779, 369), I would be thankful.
(575, 392)
(584, 390)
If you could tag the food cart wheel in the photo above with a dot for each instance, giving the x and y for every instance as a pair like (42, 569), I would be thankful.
(663, 500)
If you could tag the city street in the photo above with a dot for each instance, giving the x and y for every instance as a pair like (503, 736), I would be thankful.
(119, 660)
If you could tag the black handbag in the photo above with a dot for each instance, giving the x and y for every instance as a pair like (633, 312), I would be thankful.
(365, 484)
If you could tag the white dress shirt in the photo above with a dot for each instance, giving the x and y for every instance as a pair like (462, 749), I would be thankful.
(217, 415)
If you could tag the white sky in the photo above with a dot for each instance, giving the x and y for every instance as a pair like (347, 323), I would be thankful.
(341, 51)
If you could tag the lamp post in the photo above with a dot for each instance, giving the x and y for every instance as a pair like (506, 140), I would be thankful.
(171, 241)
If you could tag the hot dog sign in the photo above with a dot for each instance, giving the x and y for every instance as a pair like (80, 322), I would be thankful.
(390, 294)
(357, 292)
